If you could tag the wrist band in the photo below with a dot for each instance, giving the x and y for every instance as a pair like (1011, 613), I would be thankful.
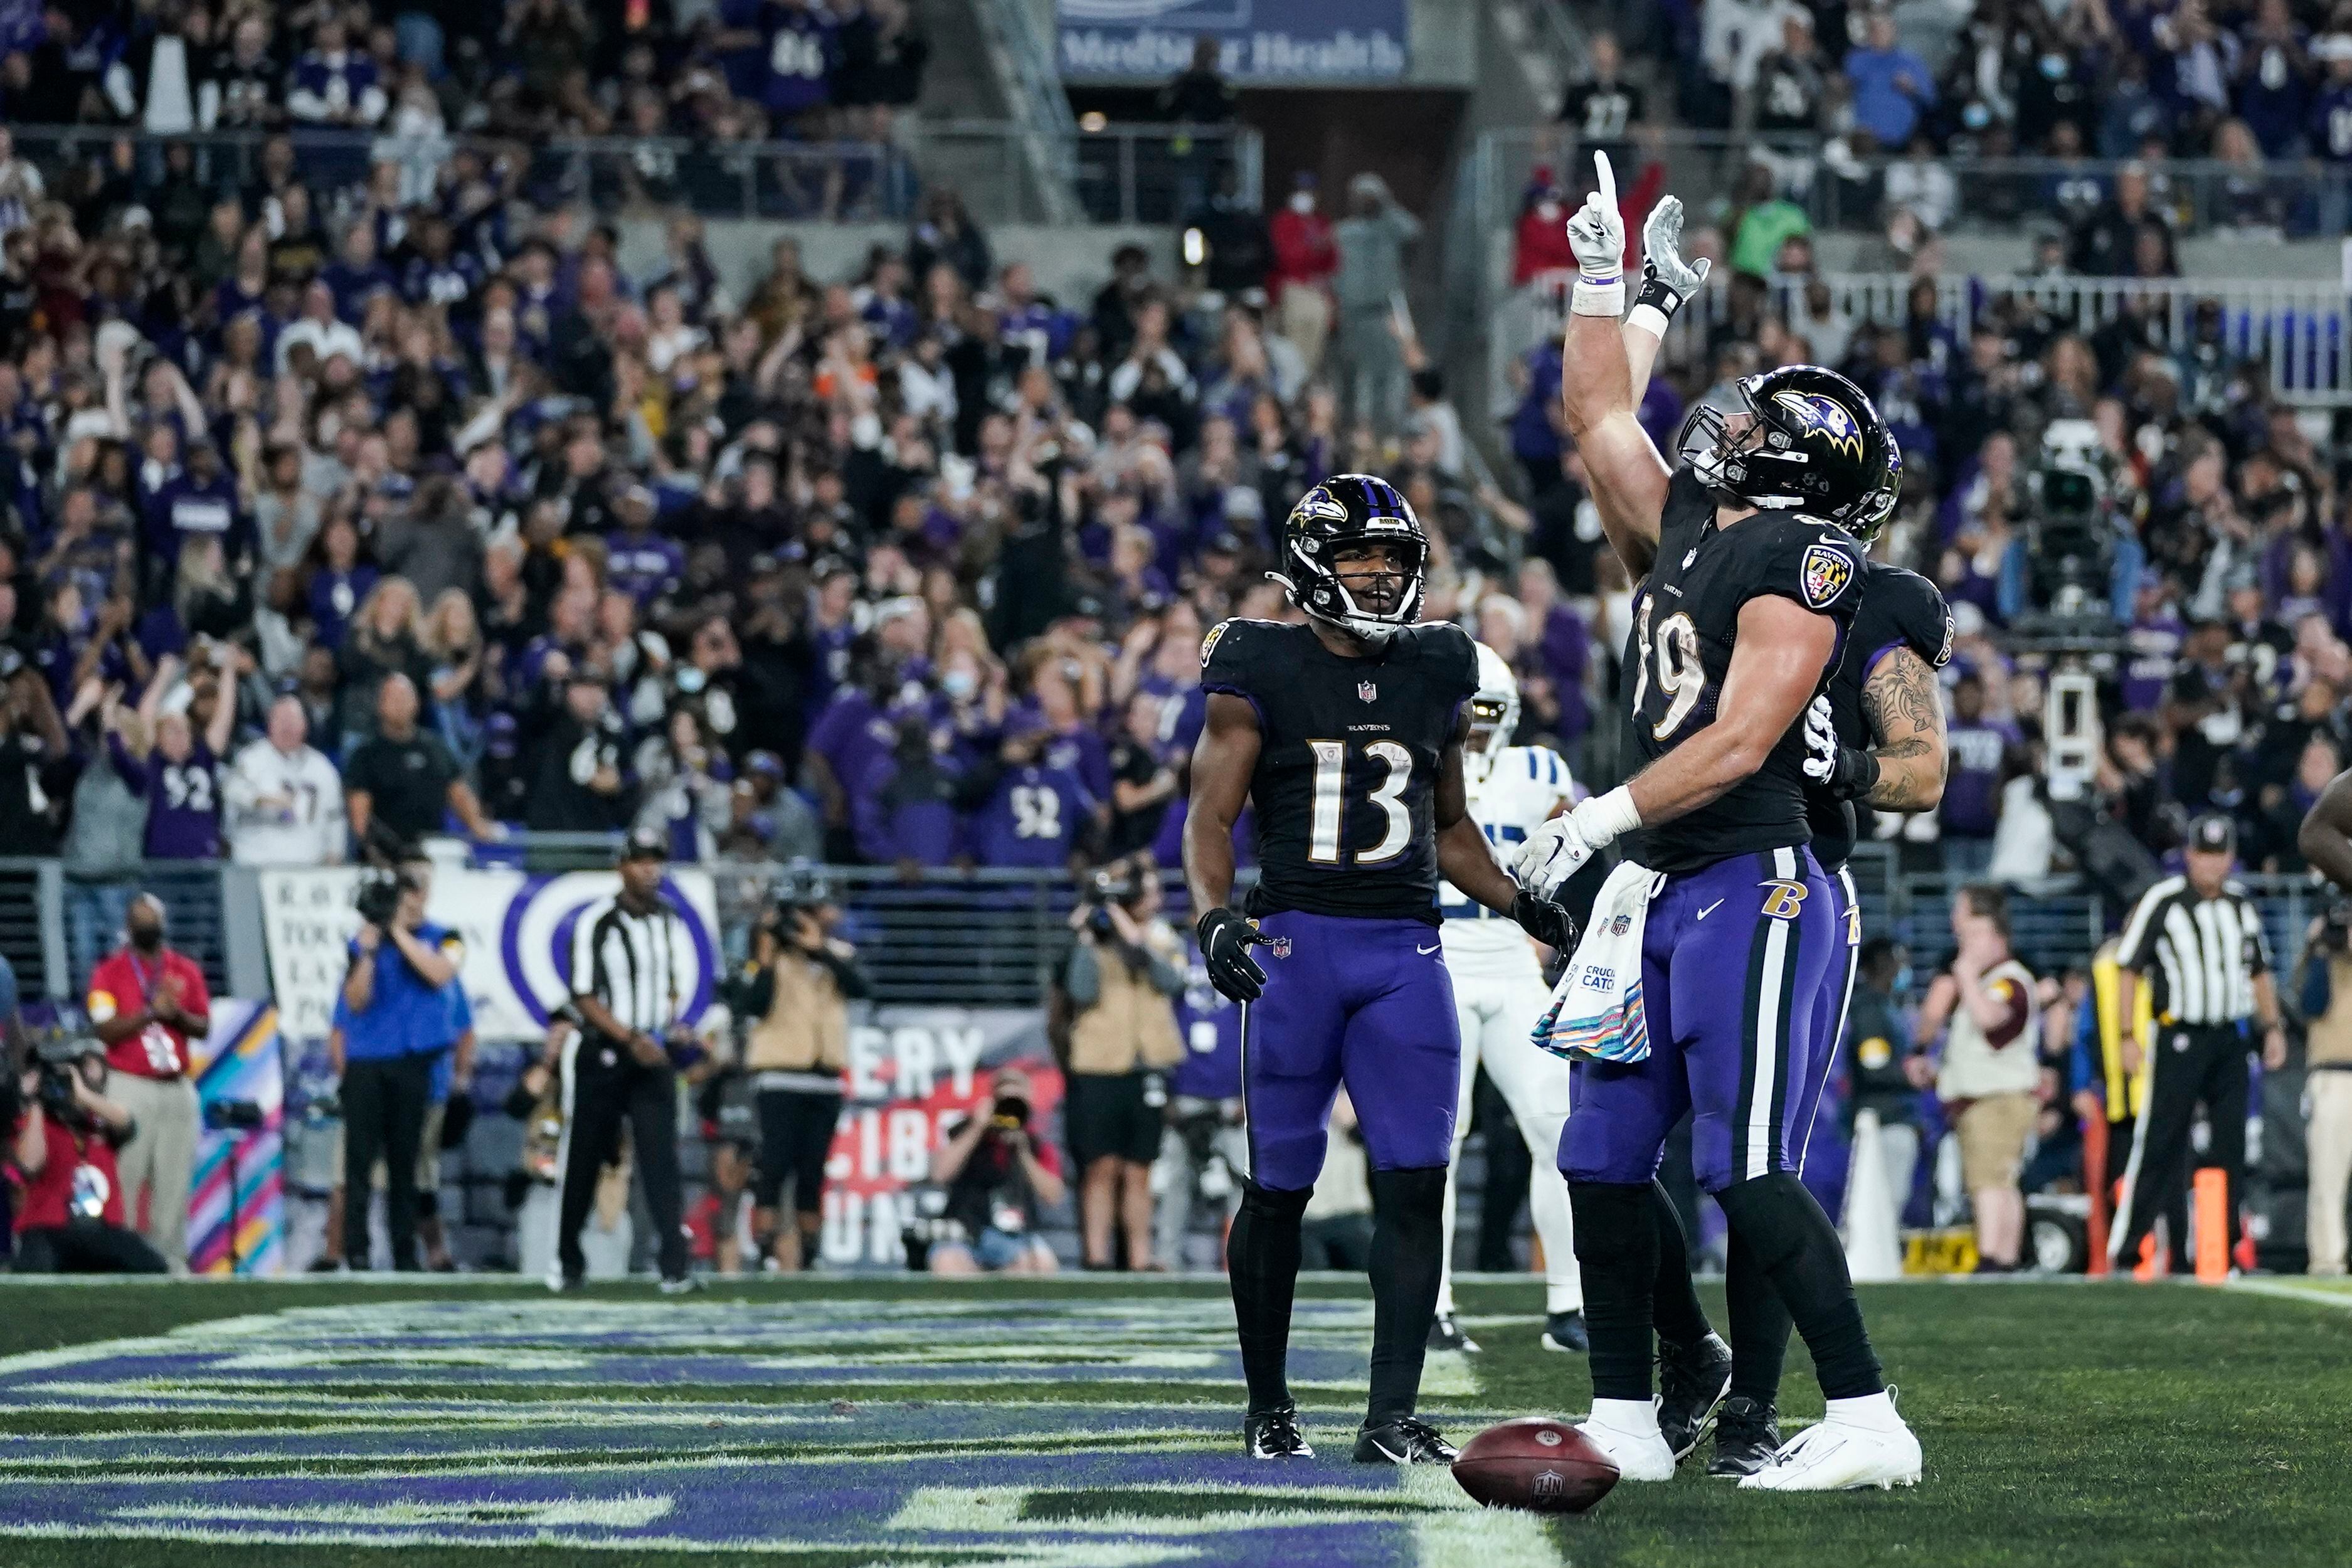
(1649, 318)
(1605, 298)
(1659, 295)
(1605, 817)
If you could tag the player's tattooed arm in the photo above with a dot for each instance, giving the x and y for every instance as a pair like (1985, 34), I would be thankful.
(1906, 714)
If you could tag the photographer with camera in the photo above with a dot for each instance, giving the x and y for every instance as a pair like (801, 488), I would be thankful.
(1120, 980)
(2322, 990)
(803, 979)
(998, 1175)
(68, 1203)
(395, 1018)
(146, 1003)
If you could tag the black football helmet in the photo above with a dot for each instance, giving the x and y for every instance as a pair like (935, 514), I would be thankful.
(1348, 509)
(1802, 439)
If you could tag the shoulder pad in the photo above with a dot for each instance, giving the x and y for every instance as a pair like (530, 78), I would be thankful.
(1453, 651)
(1915, 608)
(1819, 567)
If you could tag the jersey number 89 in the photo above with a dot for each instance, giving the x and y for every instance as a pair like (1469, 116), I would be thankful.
(1331, 804)
(1681, 675)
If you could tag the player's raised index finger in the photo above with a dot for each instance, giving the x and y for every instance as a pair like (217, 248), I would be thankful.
(1607, 178)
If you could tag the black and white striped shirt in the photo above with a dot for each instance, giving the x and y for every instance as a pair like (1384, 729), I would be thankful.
(641, 967)
(2202, 954)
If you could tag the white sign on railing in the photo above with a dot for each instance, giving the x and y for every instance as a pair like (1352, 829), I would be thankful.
(517, 929)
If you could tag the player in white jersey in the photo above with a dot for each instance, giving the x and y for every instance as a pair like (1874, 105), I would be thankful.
(1499, 993)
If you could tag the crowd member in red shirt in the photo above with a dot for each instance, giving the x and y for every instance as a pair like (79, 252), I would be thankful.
(70, 1215)
(146, 1003)
(1305, 258)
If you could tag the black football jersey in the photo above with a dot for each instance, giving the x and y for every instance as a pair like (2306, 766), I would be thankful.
(1347, 762)
(1686, 619)
(1898, 609)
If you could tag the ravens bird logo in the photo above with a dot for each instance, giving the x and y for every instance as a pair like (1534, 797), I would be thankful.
(1812, 411)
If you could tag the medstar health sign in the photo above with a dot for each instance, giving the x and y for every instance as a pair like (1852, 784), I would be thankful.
(1330, 41)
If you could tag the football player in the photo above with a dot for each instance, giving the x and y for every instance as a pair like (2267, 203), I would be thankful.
(1499, 993)
(1886, 714)
(1347, 731)
(1749, 584)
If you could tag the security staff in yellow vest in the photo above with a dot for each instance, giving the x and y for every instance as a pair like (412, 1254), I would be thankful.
(1990, 1069)
(1122, 976)
(802, 979)
(2323, 979)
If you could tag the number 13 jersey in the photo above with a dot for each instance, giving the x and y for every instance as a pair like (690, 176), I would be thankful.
(1686, 621)
(1346, 760)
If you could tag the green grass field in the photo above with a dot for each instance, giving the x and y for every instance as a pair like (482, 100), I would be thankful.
(1090, 1423)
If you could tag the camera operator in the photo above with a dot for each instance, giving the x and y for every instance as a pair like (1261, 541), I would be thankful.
(396, 1018)
(1121, 978)
(2323, 988)
(804, 979)
(147, 1002)
(70, 1213)
(998, 1175)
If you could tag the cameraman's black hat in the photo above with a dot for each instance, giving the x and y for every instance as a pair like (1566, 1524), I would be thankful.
(2213, 834)
(643, 844)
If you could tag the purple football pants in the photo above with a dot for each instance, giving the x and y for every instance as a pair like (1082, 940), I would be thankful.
(1732, 964)
(1361, 1002)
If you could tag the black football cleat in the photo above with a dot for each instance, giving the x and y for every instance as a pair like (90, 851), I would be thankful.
(1565, 1332)
(1692, 1380)
(1445, 1334)
(1407, 1440)
(1274, 1434)
(1746, 1437)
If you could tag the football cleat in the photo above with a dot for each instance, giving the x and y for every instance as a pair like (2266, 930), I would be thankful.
(1274, 1434)
(1840, 1454)
(1746, 1437)
(1565, 1332)
(1692, 1380)
(683, 1285)
(1407, 1440)
(1639, 1456)
(1445, 1334)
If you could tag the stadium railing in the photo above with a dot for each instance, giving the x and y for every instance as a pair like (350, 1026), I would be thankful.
(1115, 174)
(988, 937)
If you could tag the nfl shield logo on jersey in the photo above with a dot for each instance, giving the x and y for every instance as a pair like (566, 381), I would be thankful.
(1277, 945)
(1367, 690)
(1827, 571)
(1618, 924)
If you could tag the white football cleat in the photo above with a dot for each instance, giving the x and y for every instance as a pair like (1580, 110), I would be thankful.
(1837, 1455)
(1638, 1456)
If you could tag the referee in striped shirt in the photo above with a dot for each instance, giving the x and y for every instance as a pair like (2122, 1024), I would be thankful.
(632, 977)
(2199, 939)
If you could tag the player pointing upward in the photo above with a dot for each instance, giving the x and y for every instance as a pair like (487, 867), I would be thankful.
(1347, 731)
(1751, 586)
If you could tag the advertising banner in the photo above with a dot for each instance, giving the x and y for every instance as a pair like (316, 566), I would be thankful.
(517, 929)
(1329, 41)
(238, 1191)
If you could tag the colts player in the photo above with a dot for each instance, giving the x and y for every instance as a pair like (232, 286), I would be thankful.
(1499, 993)
(1347, 731)
(1749, 585)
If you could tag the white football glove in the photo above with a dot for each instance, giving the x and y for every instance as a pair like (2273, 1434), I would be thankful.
(1661, 252)
(1820, 740)
(1597, 232)
(1554, 852)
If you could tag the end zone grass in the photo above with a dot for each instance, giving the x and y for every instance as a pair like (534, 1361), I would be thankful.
(2095, 1424)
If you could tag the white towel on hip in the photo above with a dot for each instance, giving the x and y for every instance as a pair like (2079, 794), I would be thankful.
(1596, 1009)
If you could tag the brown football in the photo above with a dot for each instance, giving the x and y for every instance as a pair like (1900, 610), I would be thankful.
(1534, 1463)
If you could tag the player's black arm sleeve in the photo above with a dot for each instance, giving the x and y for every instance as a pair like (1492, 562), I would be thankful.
(1463, 856)
(2326, 837)
(1906, 714)
(1223, 761)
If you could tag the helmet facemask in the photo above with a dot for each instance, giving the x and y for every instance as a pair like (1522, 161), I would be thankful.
(1327, 597)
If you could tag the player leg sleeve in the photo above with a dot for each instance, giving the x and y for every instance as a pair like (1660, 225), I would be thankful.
(1617, 1250)
(1408, 1230)
(1759, 1325)
(1262, 1262)
(1673, 1299)
(1797, 1249)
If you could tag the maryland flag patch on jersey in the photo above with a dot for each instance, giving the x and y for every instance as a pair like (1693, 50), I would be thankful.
(1209, 642)
(1826, 571)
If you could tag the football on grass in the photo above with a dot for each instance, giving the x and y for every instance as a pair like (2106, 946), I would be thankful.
(1534, 1463)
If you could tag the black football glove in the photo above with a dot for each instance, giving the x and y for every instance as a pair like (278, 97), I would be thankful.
(1855, 773)
(1546, 921)
(1225, 938)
